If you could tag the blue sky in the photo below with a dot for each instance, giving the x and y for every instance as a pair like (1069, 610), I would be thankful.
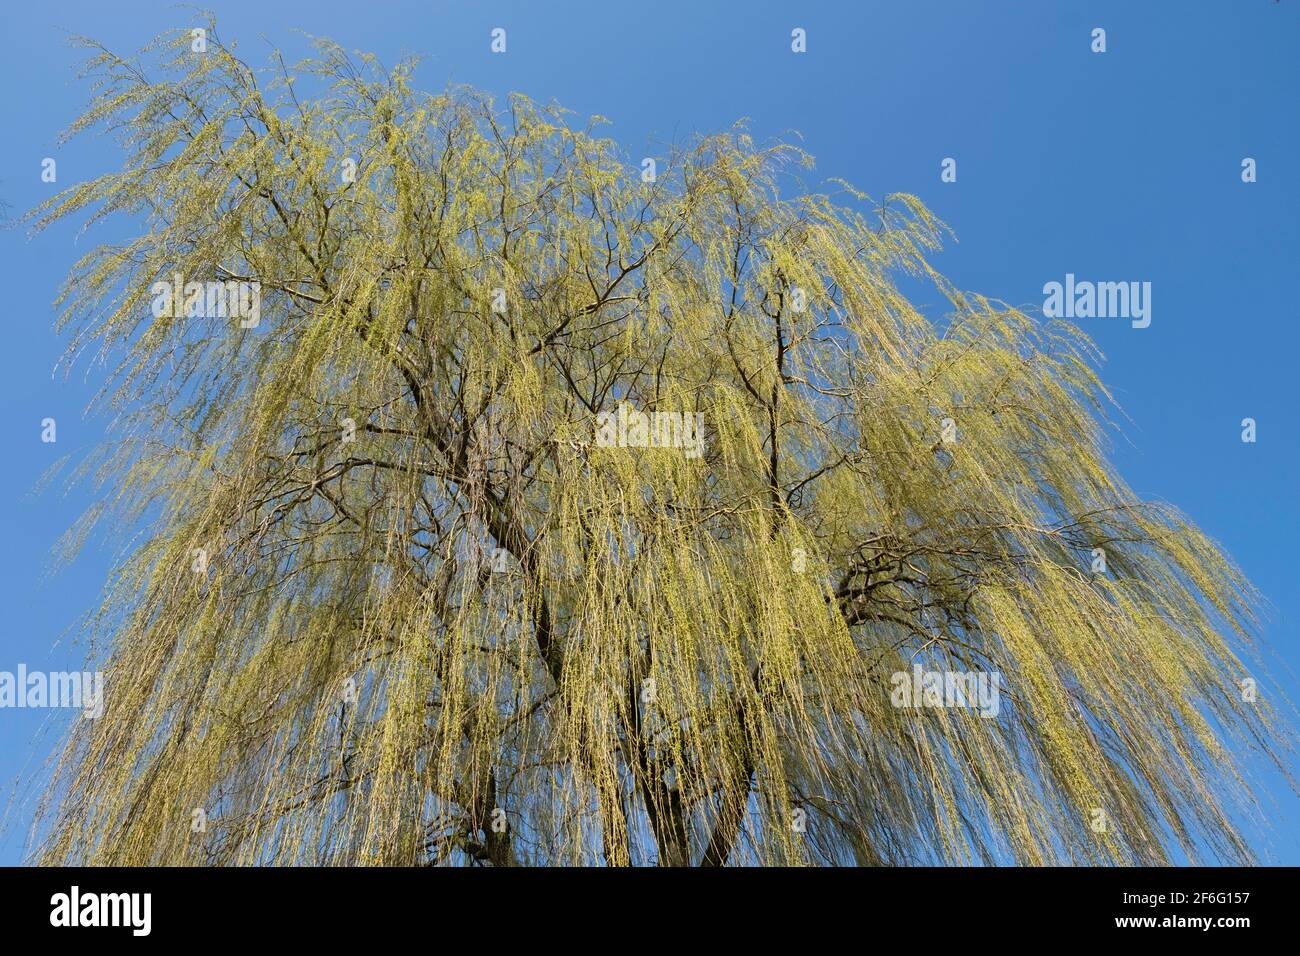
(1117, 166)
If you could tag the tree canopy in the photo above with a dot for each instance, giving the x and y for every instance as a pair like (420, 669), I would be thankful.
(410, 580)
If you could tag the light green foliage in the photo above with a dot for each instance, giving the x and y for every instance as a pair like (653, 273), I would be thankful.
(650, 679)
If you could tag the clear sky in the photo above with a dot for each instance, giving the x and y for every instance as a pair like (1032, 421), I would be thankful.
(1116, 166)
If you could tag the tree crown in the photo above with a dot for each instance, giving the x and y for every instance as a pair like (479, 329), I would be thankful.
(551, 511)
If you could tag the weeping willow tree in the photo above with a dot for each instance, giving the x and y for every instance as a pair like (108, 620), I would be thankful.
(558, 508)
